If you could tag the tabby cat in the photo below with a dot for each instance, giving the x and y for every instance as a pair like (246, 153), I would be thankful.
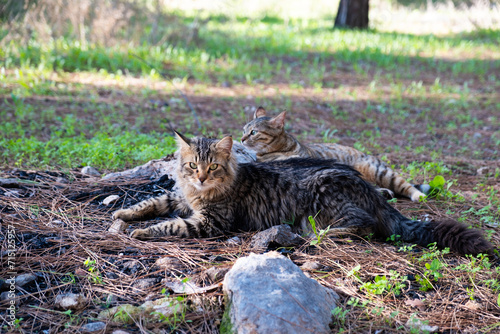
(219, 195)
(267, 137)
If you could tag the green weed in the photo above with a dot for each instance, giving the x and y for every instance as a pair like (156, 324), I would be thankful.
(386, 284)
(94, 273)
(320, 234)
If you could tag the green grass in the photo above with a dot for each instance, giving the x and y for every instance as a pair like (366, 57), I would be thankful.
(109, 126)
(249, 51)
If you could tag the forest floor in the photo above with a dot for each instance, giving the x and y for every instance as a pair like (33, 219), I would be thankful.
(60, 223)
(429, 109)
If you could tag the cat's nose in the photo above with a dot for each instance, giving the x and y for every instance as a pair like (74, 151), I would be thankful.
(244, 138)
(202, 179)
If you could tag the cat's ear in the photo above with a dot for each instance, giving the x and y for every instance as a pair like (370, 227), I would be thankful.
(181, 140)
(260, 112)
(278, 121)
(225, 144)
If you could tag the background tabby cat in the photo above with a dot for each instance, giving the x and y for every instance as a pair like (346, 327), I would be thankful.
(268, 138)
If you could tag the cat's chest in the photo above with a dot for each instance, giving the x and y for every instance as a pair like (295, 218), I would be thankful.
(202, 204)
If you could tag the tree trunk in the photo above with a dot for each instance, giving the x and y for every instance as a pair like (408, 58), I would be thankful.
(352, 14)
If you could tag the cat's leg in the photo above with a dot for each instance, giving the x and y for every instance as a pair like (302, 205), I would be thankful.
(154, 207)
(374, 170)
(197, 225)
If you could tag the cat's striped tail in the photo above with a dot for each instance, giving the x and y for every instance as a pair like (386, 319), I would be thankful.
(458, 237)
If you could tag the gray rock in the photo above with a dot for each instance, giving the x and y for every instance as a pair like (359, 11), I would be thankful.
(70, 301)
(280, 235)
(119, 331)
(90, 171)
(25, 279)
(110, 199)
(269, 294)
(93, 327)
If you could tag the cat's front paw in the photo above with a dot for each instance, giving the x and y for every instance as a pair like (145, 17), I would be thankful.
(141, 234)
(417, 196)
(122, 214)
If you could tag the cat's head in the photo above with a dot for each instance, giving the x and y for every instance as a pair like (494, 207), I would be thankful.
(206, 166)
(259, 134)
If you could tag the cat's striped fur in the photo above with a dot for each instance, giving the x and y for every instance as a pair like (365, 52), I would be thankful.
(220, 195)
(268, 138)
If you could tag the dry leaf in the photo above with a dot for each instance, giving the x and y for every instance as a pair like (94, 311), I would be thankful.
(416, 303)
(472, 305)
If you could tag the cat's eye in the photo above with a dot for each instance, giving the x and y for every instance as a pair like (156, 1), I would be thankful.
(213, 166)
(253, 133)
(193, 165)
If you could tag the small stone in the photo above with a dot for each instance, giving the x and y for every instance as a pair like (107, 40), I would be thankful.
(234, 241)
(119, 331)
(111, 275)
(280, 235)
(124, 314)
(416, 323)
(90, 171)
(111, 299)
(70, 301)
(132, 266)
(477, 135)
(483, 171)
(93, 327)
(169, 263)
(145, 283)
(62, 180)
(118, 226)
(25, 279)
(6, 295)
(165, 306)
(311, 265)
(110, 199)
